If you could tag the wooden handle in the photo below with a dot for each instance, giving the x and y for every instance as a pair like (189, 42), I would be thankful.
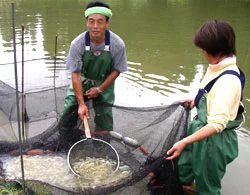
(86, 127)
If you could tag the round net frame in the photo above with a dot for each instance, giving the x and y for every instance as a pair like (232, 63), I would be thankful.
(91, 148)
(89, 154)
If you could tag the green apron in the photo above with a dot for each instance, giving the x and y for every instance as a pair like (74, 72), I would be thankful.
(205, 161)
(97, 65)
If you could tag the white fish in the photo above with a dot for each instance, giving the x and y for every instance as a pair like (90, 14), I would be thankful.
(53, 169)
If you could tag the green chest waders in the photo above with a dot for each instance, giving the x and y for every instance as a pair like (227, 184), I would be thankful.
(97, 65)
(205, 161)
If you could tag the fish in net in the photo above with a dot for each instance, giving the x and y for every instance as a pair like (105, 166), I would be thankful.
(140, 135)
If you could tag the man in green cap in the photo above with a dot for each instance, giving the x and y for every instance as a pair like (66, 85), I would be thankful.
(96, 58)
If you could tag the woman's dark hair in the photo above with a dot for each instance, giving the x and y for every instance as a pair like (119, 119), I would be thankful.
(216, 38)
(98, 4)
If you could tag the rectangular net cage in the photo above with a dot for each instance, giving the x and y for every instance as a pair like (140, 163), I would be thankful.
(140, 135)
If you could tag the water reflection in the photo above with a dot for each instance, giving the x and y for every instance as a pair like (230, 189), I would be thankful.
(158, 36)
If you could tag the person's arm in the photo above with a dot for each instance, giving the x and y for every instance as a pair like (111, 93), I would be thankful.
(93, 92)
(77, 86)
(201, 134)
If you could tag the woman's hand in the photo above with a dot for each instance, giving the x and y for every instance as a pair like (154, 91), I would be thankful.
(201, 134)
(188, 103)
(176, 150)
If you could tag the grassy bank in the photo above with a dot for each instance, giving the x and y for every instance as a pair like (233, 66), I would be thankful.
(9, 188)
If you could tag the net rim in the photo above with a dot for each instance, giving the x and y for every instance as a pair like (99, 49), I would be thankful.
(95, 139)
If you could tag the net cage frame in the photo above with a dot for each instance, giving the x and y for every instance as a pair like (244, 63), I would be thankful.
(143, 124)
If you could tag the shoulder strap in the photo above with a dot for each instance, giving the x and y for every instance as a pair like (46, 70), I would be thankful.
(87, 41)
(107, 40)
(208, 87)
(241, 76)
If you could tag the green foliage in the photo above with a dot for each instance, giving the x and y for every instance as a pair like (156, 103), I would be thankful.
(6, 190)
(10, 188)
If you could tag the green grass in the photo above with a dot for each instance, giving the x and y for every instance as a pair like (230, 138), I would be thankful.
(15, 188)
(8, 190)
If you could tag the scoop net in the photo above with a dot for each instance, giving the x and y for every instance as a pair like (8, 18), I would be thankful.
(140, 135)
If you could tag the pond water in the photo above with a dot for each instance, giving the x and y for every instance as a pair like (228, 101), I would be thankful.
(164, 65)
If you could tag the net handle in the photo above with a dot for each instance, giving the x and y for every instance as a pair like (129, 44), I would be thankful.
(86, 127)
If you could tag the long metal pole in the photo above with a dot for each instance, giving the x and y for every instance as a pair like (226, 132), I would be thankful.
(17, 99)
(55, 78)
(23, 95)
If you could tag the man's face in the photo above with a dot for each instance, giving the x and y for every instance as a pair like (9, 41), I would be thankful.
(97, 24)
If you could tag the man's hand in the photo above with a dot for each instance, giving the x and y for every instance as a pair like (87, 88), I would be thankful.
(83, 111)
(92, 93)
